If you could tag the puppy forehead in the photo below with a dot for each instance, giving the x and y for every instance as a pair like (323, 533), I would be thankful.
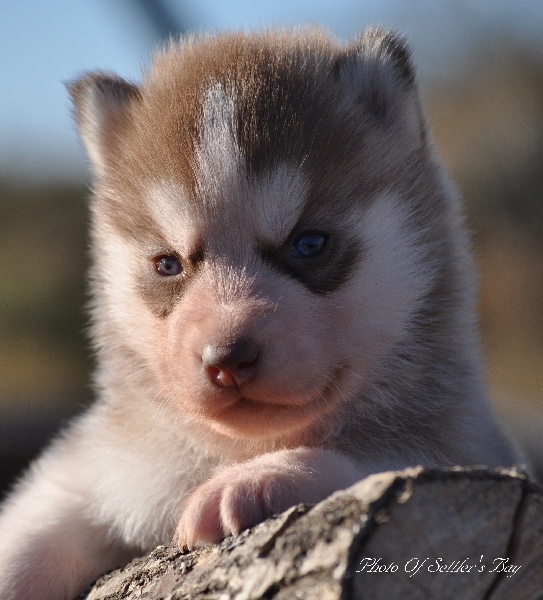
(267, 208)
(227, 198)
(269, 201)
(211, 105)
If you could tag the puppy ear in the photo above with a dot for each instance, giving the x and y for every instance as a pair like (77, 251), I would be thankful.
(378, 75)
(101, 110)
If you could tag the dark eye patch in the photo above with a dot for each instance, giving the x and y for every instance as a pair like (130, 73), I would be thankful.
(321, 262)
(165, 279)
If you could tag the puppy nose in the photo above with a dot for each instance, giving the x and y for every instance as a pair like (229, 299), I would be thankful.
(232, 364)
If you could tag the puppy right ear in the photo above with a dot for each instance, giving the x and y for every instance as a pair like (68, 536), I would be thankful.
(101, 110)
(378, 79)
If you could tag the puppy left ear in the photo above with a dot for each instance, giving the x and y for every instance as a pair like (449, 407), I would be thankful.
(377, 73)
(101, 110)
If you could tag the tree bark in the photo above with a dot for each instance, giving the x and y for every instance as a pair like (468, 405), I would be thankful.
(414, 534)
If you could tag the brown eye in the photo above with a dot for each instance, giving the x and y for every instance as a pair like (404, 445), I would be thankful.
(168, 266)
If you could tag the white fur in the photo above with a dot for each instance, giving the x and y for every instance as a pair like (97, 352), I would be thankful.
(220, 164)
(175, 217)
(394, 276)
(93, 128)
(116, 269)
(277, 199)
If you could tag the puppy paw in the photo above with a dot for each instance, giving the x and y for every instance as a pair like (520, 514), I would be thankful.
(242, 495)
(236, 498)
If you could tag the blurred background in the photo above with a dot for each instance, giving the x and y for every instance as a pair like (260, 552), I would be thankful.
(480, 68)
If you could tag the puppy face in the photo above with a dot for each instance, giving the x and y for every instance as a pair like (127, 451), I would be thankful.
(253, 223)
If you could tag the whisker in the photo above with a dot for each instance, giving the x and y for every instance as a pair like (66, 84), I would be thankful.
(160, 403)
(334, 383)
(135, 373)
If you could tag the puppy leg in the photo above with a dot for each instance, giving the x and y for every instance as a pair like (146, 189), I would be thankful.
(242, 495)
(51, 544)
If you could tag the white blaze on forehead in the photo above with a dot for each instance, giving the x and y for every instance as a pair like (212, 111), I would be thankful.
(271, 204)
(220, 165)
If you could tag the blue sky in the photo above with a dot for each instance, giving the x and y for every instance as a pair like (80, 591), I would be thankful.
(44, 43)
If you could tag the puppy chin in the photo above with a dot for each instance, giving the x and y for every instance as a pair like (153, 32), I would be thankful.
(239, 414)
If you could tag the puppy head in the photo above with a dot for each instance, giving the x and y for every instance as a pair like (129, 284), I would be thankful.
(253, 211)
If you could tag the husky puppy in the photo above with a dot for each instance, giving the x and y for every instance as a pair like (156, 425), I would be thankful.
(283, 303)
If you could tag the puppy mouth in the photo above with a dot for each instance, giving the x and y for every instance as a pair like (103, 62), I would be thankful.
(237, 412)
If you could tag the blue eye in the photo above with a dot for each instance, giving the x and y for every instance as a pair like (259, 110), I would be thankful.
(308, 245)
(168, 266)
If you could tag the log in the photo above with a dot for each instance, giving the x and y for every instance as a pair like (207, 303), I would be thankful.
(414, 534)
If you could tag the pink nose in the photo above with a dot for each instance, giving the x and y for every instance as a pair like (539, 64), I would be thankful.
(231, 365)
